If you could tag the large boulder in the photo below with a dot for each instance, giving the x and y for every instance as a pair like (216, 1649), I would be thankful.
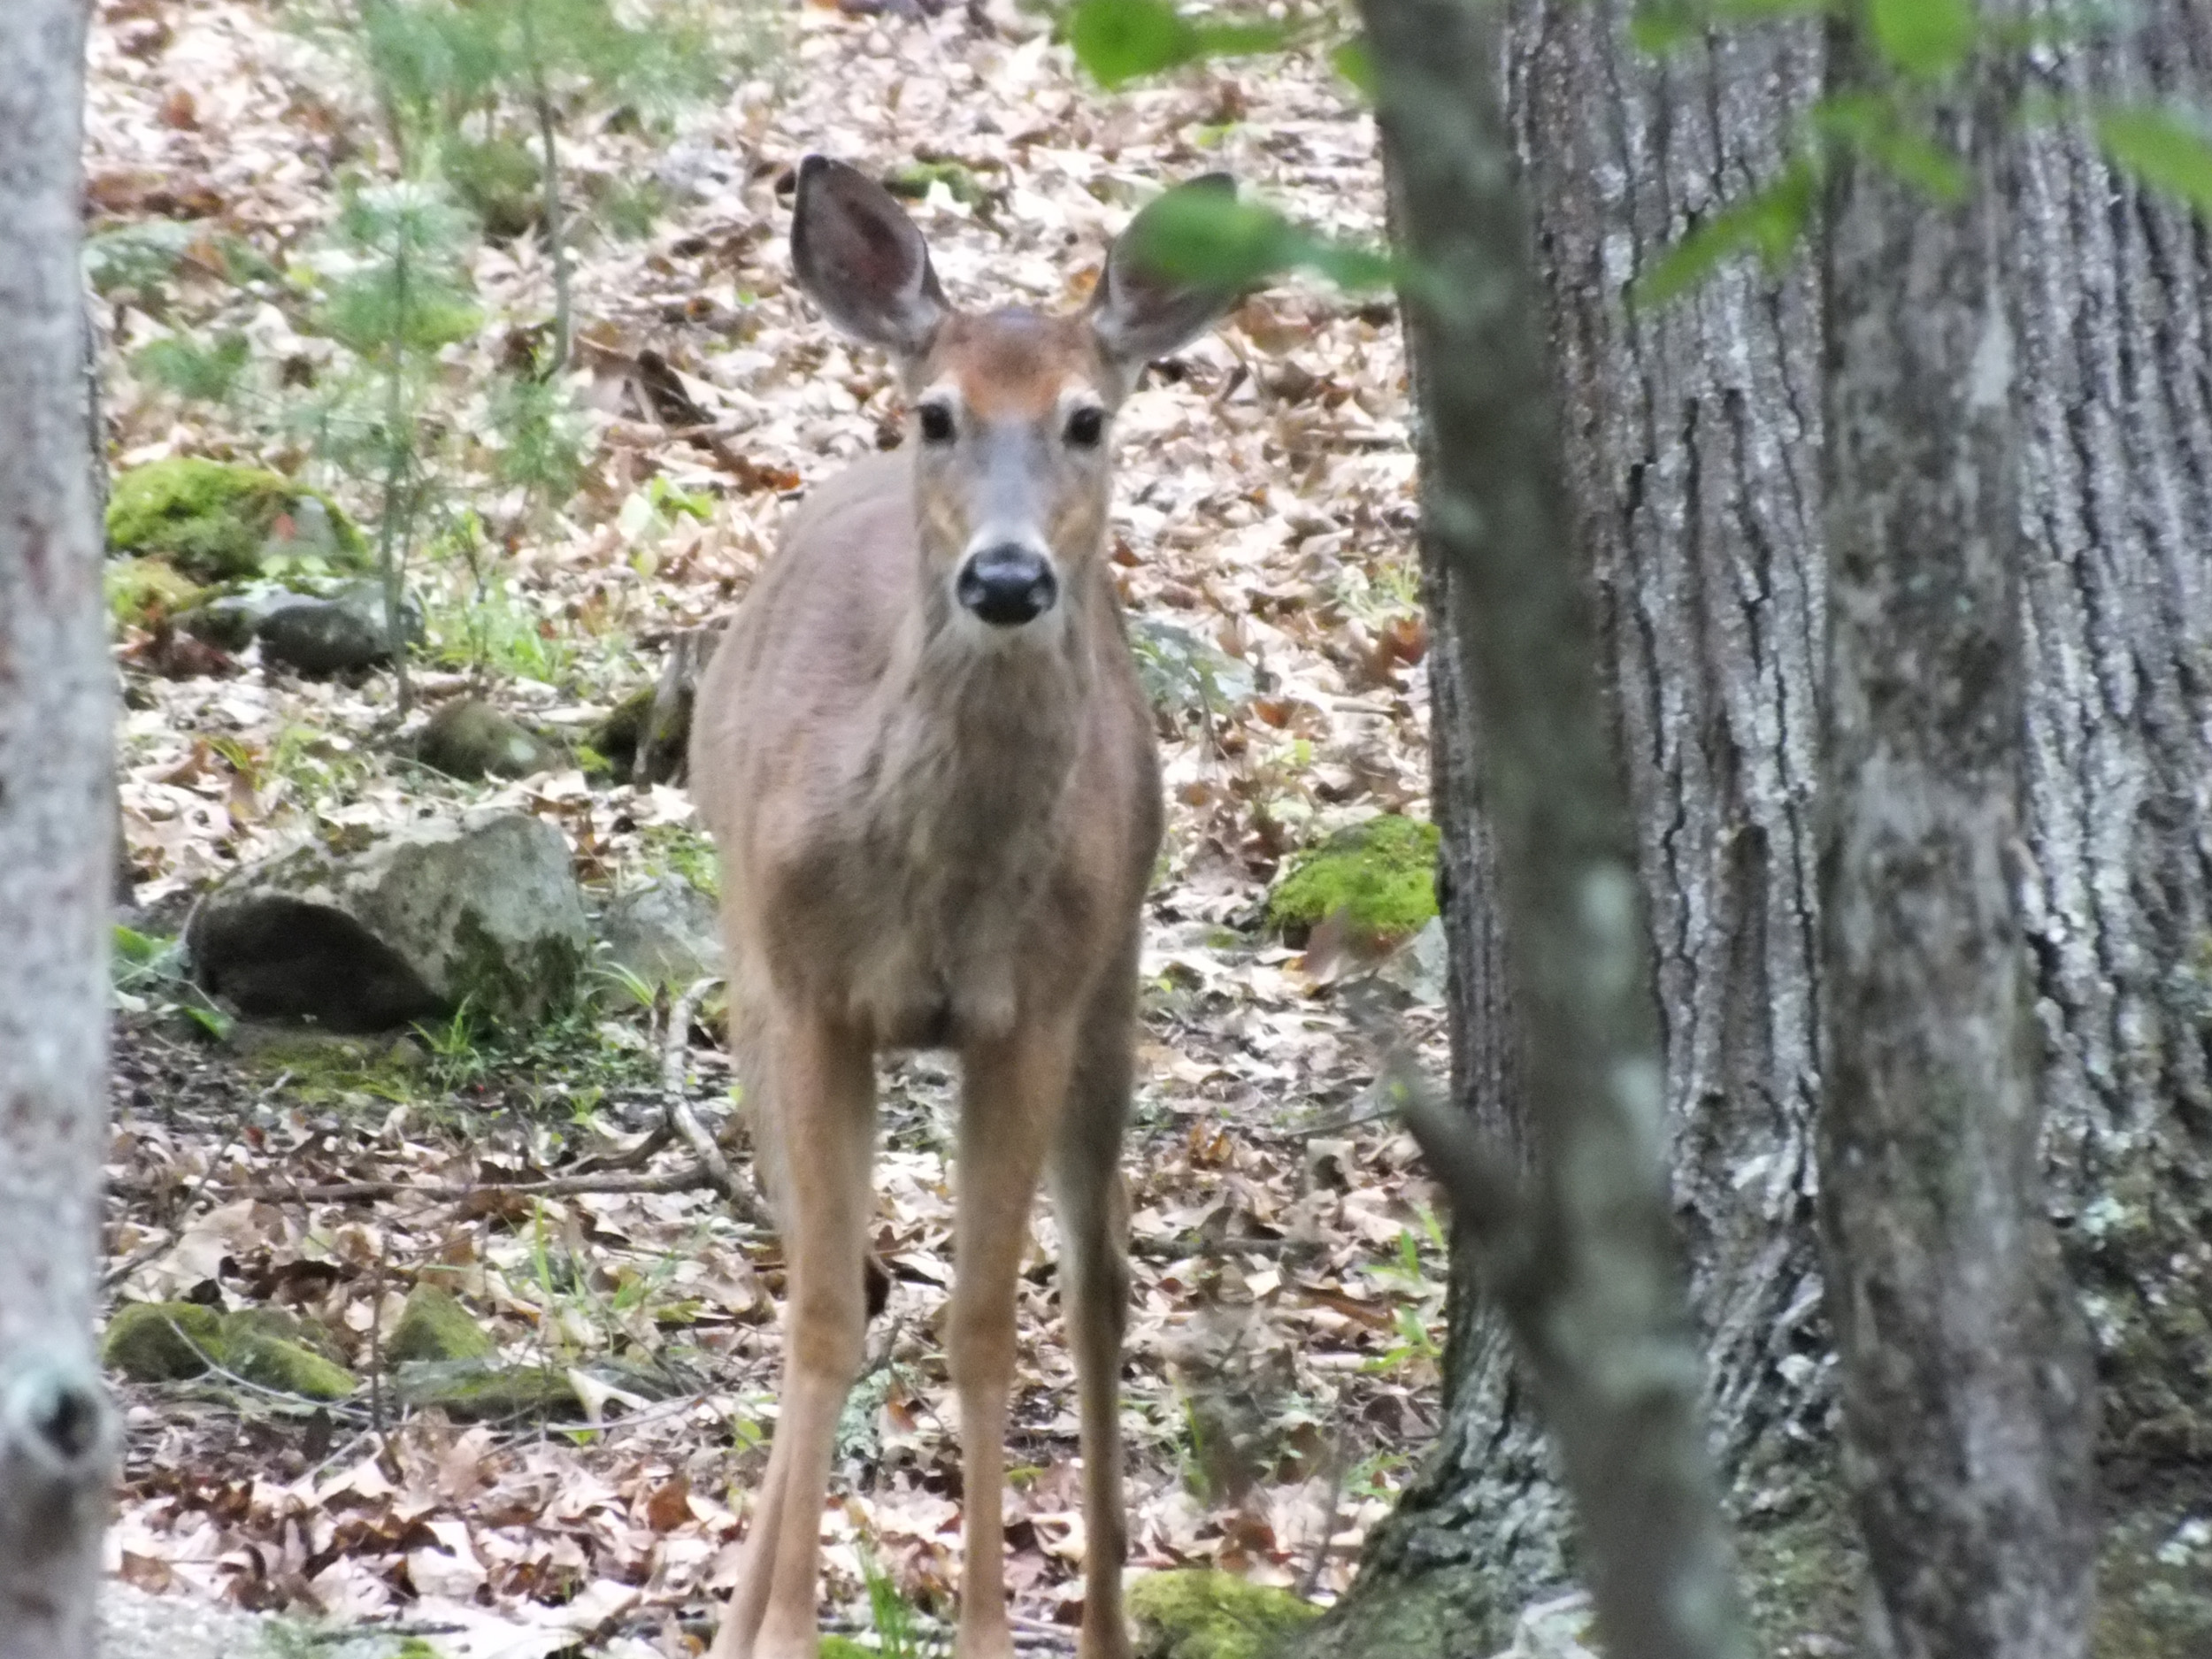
(483, 910)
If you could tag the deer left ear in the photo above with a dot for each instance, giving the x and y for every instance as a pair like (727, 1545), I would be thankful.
(1139, 313)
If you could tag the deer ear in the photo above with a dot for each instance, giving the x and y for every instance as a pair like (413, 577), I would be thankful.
(859, 256)
(1140, 314)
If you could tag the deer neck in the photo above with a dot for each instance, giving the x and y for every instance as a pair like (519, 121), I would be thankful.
(980, 735)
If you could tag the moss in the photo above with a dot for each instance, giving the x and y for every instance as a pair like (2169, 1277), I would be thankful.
(276, 1324)
(498, 178)
(215, 522)
(1379, 876)
(467, 1389)
(170, 1341)
(288, 1367)
(161, 1341)
(615, 739)
(434, 1326)
(1211, 1614)
(327, 1067)
(1804, 1580)
(469, 739)
(915, 179)
(2155, 1582)
(516, 987)
(141, 591)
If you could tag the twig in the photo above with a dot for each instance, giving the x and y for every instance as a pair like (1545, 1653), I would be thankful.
(661, 1136)
(674, 1042)
(681, 1181)
(1311, 1577)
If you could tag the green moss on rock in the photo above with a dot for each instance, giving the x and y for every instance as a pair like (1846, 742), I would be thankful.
(434, 1326)
(1379, 876)
(468, 1389)
(215, 522)
(1212, 1615)
(288, 1367)
(141, 591)
(469, 739)
(161, 1341)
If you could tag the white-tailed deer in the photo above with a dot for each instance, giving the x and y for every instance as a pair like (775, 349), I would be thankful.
(926, 761)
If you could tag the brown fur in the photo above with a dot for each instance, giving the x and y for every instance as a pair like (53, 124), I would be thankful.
(937, 833)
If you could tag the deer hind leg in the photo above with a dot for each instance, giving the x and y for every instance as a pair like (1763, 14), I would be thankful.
(820, 1086)
(1015, 1092)
(1091, 1204)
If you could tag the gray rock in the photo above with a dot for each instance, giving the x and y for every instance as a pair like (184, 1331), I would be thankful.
(229, 622)
(483, 910)
(666, 932)
(335, 634)
(469, 739)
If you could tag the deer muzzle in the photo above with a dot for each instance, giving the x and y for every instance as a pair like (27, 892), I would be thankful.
(1007, 584)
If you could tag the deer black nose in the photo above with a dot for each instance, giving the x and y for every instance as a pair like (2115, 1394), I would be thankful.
(1007, 585)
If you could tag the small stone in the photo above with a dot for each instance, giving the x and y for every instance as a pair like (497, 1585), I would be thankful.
(346, 631)
(161, 1341)
(469, 739)
(434, 1326)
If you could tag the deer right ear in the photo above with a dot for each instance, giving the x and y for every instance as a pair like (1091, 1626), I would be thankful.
(859, 256)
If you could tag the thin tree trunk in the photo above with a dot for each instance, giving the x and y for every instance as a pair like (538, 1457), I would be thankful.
(1580, 1257)
(56, 1426)
(1966, 1389)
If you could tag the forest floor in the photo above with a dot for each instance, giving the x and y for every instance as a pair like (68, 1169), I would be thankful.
(1282, 1359)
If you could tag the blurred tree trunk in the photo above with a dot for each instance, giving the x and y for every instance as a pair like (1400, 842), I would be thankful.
(1693, 445)
(56, 821)
(1967, 1406)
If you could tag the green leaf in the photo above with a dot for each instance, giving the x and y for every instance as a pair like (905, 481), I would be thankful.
(1924, 38)
(1354, 62)
(1660, 27)
(1769, 223)
(2165, 148)
(1210, 237)
(1119, 40)
(1879, 127)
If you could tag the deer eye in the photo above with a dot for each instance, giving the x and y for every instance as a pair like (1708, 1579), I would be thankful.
(1086, 427)
(936, 422)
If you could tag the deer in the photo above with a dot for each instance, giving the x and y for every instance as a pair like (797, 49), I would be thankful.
(931, 775)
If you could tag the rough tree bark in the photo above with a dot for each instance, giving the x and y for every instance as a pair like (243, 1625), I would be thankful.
(1693, 440)
(1577, 1252)
(56, 1426)
(1967, 1409)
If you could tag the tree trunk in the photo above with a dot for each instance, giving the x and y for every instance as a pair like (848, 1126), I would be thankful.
(1693, 445)
(1967, 1409)
(56, 1426)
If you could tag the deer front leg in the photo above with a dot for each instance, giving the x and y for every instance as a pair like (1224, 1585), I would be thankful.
(820, 1084)
(1091, 1204)
(1016, 1088)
